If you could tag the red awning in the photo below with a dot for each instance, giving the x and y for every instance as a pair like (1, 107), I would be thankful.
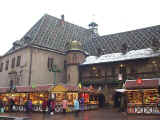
(146, 84)
(31, 89)
(3, 90)
(41, 88)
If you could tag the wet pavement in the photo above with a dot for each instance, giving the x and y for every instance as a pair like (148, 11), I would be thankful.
(100, 114)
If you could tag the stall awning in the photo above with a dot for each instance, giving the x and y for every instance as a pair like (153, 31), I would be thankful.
(41, 88)
(4, 90)
(146, 84)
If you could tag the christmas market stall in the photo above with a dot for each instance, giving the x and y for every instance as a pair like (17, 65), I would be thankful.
(71, 93)
(143, 96)
(21, 94)
(58, 93)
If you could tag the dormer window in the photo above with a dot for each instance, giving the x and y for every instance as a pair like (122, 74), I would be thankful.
(124, 48)
(155, 43)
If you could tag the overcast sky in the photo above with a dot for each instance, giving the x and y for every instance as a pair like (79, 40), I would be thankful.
(112, 16)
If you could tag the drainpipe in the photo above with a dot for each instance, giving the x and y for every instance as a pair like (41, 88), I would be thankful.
(30, 66)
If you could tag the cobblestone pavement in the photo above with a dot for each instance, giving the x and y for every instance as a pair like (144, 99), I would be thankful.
(101, 114)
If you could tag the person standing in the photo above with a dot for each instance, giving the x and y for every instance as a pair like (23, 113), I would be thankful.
(11, 105)
(44, 106)
(64, 104)
(26, 106)
(52, 106)
(30, 105)
(76, 107)
(1, 106)
(82, 103)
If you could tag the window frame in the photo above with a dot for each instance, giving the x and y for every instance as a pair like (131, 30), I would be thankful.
(1, 67)
(13, 62)
(7, 64)
(18, 61)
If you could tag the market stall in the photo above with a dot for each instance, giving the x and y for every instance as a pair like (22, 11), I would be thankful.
(21, 94)
(143, 97)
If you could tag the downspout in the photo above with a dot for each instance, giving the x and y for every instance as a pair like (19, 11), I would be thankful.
(30, 66)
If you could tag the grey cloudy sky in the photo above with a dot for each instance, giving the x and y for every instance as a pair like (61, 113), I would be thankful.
(112, 16)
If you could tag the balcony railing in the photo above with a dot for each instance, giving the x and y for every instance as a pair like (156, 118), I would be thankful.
(114, 78)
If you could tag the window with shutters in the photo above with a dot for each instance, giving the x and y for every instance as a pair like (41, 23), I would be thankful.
(18, 61)
(13, 63)
(7, 63)
(50, 63)
(1, 67)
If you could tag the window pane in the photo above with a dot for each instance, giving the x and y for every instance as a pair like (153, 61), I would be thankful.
(18, 60)
(13, 63)
(7, 63)
(1, 67)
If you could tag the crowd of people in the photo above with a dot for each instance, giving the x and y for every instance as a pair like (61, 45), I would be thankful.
(48, 106)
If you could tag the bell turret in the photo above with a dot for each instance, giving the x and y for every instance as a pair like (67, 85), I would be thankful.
(94, 27)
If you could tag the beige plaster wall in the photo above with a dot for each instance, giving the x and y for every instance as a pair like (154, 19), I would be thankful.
(40, 74)
(24, 67)
(73, 72)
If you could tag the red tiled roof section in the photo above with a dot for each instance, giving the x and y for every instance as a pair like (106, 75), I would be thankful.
(145, 84)
(28, 89)
(31, 89)
(3, 90)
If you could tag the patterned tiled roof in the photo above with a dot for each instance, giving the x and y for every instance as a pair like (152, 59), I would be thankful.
(52, 33)
(136, 39)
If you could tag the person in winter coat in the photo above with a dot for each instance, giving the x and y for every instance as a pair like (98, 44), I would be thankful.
(52, 105)
(11, 104)
(1, 106)
(76, 107)
(30, 105)
(44, 106)
(26, 106)
(82, 103)
(64, 104)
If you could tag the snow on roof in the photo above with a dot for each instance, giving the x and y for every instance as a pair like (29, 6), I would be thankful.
(134, 54)
(90, 59)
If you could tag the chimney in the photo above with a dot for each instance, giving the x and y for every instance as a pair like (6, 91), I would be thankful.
(62, 19)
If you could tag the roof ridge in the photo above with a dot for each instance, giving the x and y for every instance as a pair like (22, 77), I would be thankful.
(131, 30)
(50, 16)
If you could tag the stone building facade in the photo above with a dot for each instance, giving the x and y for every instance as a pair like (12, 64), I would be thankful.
(55, 51)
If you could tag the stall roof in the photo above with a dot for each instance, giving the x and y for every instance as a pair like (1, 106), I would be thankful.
(146, 84)
(27, 88)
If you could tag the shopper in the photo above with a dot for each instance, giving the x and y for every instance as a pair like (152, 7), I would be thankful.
(30, 106)
(64, 103)
(44, 106)
(26, 106)
(1, 107)
(52, 106)
(82, 103)
(49, 105)
(11, 105)
(76, 107)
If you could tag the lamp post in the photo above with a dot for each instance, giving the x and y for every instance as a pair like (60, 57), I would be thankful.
(54, 69)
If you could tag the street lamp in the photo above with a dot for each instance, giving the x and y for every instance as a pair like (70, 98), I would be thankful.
(54, 69)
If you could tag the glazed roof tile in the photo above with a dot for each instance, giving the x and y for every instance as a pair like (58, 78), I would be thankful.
(50, 33)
